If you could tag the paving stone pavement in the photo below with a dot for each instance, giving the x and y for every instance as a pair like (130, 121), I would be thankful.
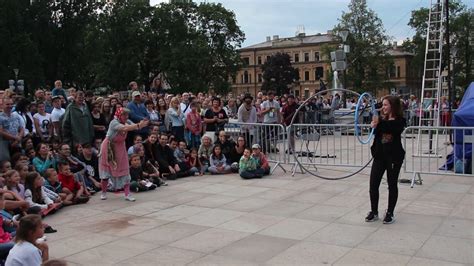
(279, 220)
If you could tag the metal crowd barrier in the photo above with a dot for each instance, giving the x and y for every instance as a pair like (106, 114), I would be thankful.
(271, 138)
(452, 156)
(331, 145)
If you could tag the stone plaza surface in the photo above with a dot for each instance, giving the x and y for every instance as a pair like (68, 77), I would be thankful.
(278, 220)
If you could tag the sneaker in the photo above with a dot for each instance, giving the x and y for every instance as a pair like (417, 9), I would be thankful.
(129, 198)
(371, 217)
(389, 218)
(103, 196)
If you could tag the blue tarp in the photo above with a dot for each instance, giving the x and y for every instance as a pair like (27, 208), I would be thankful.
(463, 117)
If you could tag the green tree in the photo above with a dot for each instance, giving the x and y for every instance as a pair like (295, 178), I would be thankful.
(461, 27)
(368, 59)
(279, 74)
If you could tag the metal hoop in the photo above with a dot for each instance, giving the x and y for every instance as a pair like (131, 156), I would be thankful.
(356, 117)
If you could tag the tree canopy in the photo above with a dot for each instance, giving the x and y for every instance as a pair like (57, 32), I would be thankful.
(90, 44)
(368, 59)
(278, 74)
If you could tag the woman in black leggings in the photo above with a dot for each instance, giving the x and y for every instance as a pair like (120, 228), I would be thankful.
(388, 154)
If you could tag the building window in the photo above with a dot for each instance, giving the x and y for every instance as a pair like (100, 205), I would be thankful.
(398, 72)
(234, 80)
(250, 78)
(391, 71)
(246, 61)
(297, 58)
(306, 93)
(245, 79)
(306, 75)
(306, 57)
(319, 73)
(316, 56)
(268, 57)
(259, 60)
(298, 72)
(297, 93)
(260, 78)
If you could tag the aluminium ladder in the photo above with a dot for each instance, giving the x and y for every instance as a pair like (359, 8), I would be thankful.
(432, 91)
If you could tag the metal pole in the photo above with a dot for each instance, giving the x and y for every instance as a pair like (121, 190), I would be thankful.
(450, 77)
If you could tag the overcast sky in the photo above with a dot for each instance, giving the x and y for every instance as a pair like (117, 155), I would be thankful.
(261, 18)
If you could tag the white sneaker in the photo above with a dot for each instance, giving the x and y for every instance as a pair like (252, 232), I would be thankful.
(129, 198)
(103, 196)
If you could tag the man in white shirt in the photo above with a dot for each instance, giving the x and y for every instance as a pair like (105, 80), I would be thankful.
(56, 115)
(271, 110)
(185, 104)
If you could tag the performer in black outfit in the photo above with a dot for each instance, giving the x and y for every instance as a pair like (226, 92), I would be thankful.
(388, 154)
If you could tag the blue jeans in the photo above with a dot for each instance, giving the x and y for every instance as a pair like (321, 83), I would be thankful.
(194, 141)
(249, 174)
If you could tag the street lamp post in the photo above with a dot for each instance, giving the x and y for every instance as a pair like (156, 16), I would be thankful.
(16, 71)
(344, 33)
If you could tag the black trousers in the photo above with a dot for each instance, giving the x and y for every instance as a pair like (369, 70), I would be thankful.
(379, 166)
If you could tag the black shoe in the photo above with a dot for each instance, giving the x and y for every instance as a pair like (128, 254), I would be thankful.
(372, 217)
(49, 230)
(389, 218)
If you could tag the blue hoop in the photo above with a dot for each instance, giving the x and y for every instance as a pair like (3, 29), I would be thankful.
(356, 117)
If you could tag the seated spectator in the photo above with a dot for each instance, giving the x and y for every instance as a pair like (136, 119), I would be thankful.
(36, 197)
(6, 243)
(138, 181)
(194, 127)
(44, 158)
(5, 166)
(226, 145)
(67, 180)
(22, 169)
(218, 162)
(236, 153)
(261, 159)
(92, 179)
(137, 139)
(205, 151)
(27, 250)
(168, 166)
(14, 201)
(98, 121)
(194, 162)
(180, 156)
(248, 166)
(52, 183)
(12, 183)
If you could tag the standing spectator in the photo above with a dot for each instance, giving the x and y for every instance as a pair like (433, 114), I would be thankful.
(132, 87)
(152, 114)
(77, 123)
(22, 108)
(11, 130)
(215, 117)
(98, 121)
(56, 116)
(247, 114)
(194, 127)
(137, 112)
(288, 112)
(176, 118)
(48, 101)
(271, 115)
(185, 104)
(231, 108)
(58, 90)
(43, 126)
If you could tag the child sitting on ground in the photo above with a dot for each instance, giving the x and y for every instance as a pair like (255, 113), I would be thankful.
(12, 183)
(6, 243)
(218, 162)
(67, 180)
(36, 197)
(28, 250)
(139, 182)
(194, 162)
(52, 183)
(205, 152)
(248, 166)
(262, 161)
